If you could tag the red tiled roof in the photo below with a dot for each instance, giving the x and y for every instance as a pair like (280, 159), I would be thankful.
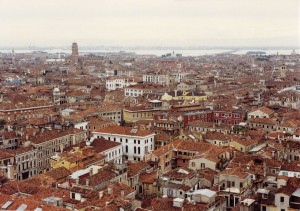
(53, 134)
(101, 144)
(148, 178)
(5, 153)
(136, 168)
(264, 110)
(120, 130)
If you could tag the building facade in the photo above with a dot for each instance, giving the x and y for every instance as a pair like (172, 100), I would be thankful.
(136, 143)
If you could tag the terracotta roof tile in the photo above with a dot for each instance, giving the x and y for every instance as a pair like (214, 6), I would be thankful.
(264, 109)
(136, 168)
(115, 129)
(101, 144)
(53, 134)
(148, 178)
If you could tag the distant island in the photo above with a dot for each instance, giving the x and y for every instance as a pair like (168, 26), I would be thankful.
(255, 52)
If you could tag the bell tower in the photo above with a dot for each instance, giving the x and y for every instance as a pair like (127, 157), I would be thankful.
(74, 53)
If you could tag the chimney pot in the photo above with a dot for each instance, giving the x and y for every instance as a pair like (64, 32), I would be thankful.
(109, 190)
(100, 194)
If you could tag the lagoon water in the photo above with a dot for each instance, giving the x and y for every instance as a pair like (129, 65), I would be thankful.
(158, 52)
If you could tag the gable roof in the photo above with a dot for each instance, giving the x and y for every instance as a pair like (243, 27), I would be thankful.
(263, 109)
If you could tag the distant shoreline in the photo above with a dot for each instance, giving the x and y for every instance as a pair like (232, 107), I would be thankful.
(158, 52)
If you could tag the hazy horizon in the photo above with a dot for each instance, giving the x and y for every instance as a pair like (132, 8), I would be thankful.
(99, 47)
(180, 23)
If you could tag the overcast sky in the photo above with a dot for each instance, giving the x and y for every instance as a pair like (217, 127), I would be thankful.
(150, 22)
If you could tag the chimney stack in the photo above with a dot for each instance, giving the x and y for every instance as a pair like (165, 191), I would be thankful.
(100, 194)
(109, 190)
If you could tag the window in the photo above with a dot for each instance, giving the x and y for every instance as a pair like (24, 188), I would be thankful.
(193, 164)
(73, 195)
(281, 199)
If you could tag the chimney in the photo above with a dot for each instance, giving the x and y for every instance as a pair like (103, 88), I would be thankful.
(122, 192)
(87, 182)
(175, 92)
(77, 181)
(100, 194)
(265, 168)
(91, 171)
(109, 190)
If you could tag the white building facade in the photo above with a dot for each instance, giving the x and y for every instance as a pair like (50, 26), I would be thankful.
(114, 154)
(156, 79)
(118, 83)
(135, 144)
